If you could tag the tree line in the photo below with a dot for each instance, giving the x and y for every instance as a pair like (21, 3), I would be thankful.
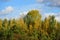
(30, 27)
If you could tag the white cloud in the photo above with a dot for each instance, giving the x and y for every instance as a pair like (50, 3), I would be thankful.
(22, 14)
(8, 9)
(57, 15)
(52, 2)
(58, 18)
(40, 0)
(55, 3)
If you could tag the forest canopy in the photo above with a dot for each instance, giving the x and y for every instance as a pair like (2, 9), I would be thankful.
(30, 27)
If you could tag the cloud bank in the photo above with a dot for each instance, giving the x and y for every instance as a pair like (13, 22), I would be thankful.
(55, 3)
(7, 10)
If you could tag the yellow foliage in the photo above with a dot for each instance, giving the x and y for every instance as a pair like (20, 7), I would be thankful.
(30, 27)
(0, 24)
(21, 23)
(46, 23)
(11, 24)
(56, 24)
(37, 24)
(5, 24)
(42, 30)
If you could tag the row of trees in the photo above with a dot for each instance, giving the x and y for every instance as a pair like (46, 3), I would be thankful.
(30, 27)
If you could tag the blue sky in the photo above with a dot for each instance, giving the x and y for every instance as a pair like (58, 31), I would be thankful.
(15, 8)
